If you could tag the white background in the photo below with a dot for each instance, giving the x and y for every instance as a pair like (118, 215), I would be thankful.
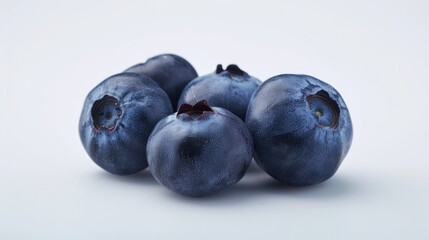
(53, 53)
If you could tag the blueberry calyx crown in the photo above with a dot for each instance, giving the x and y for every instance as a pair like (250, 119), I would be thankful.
(232, 69)
(324, 108)
(105, 112)
(195, 111)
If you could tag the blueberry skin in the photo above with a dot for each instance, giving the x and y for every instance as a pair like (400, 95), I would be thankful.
(117, 118)
(170, 71)
(301, 129)
(198, 155)
(230, 89)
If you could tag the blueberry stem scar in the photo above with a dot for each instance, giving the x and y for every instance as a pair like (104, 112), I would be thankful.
(104, 113)
(328, 105)
(232, 69)
(195, 111)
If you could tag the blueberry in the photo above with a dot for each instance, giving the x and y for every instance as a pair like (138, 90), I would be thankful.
(117, 118)
(301, 128)
(199, 150)
(230, 89)
(170, 71)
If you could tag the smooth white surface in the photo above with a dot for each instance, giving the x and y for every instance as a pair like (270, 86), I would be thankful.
(374, 52)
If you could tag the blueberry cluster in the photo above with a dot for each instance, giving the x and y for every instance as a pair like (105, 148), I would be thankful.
(198, 134)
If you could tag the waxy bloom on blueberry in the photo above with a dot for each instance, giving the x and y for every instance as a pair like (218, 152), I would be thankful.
(199, 150)
(170, 71)
(117, 117)
(301, 128)
(231, 89)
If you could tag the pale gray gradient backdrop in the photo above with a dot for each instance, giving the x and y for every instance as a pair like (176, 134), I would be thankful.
(52, 53)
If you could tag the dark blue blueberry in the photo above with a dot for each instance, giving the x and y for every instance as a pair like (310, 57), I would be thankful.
(170, 71)
(230, 89)
(301, 128)
(117, 117)
(199, 150)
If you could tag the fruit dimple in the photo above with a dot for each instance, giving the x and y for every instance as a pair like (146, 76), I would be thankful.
(194, 111)
(105, 112)
(232, 69)
(235, 70)
(324, 108)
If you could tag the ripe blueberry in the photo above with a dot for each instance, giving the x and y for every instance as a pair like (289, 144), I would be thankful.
(117, 118)
(170, 71)
(301, 128)
(199, 150)
(230, 89)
